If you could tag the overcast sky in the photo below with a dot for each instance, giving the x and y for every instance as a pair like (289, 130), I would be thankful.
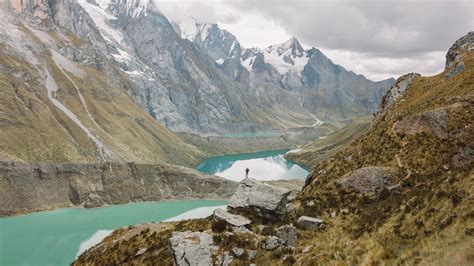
(376, 38)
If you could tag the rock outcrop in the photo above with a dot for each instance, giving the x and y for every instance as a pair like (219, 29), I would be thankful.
(454, 62)
(309, 222)
(232, 219)
(367, 180)
(34, 187)
(192, 248)
(260, 199)
(398, 89)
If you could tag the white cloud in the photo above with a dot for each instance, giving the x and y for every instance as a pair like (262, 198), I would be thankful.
(378, 39)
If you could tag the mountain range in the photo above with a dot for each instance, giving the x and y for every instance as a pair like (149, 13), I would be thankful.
(196, 77)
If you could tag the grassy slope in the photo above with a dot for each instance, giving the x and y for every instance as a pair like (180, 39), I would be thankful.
(323, 148)
(429, 217)
(33, 129)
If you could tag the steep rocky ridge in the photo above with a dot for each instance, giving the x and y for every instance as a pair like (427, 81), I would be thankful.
(33, 187)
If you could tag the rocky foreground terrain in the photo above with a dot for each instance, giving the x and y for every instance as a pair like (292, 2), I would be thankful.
(402, 193)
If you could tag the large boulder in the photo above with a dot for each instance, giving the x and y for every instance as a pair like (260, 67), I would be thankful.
(367, 180)
(192, 248)
(232, 219)
(259, 199)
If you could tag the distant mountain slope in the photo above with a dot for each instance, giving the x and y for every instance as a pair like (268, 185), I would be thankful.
(64, 101)
(325, 147)
(303, 80)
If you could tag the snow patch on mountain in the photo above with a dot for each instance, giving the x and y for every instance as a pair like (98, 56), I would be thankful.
(132, 8)
(122, 56)
(188, 28)
(100, 18)
(247, 63)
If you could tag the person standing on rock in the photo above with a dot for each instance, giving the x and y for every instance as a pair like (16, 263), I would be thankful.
(247, 172)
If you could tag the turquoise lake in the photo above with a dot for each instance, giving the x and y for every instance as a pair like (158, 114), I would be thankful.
(55, 237)
(267, 165)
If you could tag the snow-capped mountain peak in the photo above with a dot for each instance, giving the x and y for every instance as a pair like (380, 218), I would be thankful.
(290, 47)
(284, 57)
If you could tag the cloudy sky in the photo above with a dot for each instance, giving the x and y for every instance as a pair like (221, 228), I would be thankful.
(376, 38)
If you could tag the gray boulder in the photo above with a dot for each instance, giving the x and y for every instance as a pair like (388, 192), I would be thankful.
(260, 199)
(367, 180)
(273, 242)
(232, 219)
(238, 251)
(288, 234)
(192, 248)
(252, 254)
(309, 222)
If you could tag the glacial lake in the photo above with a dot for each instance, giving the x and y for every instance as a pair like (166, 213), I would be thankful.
(56, 237)
(266, 165)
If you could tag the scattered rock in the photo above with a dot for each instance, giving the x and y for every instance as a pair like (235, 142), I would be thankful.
(261, 228)
(273, 242)
(307, 249)
(192, 248)
(260, 199)
(333, 214)
(288, 234)
(238, 251)
(223, 259)
(367, 179)
(345, 211)
(251, 254)
(140, 252)
(463, 156)
(232, 219)
(240, 229)
(309, 222)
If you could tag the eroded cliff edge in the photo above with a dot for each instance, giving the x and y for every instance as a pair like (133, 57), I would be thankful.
(26, 187)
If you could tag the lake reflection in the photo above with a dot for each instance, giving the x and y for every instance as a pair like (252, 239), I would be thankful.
(268, 165)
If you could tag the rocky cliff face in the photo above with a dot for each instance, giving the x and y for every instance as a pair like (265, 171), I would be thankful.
(33, 187)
